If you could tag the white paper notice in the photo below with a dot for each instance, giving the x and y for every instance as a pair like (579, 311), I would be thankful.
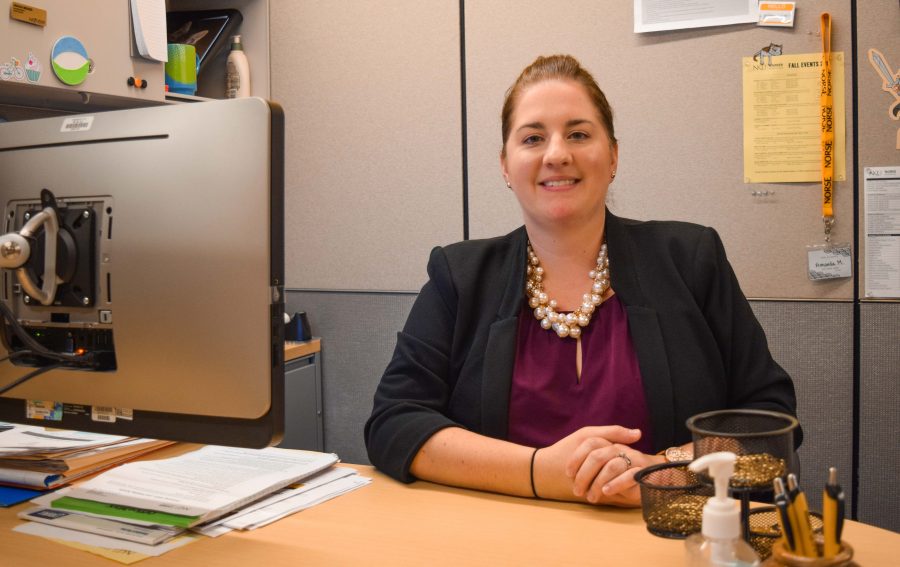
(882, 202)
(148, 19)
(659, 15)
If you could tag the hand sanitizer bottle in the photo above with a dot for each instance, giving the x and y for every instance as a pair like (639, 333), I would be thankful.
(237, 71)
(719, 543)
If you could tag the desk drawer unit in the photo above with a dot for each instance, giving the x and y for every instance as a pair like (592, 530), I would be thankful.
(303, 419)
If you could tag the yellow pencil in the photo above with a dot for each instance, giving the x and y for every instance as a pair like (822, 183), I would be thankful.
(803, 532)
(832, 514)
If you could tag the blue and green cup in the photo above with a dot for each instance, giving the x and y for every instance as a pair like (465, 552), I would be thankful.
(181, 69)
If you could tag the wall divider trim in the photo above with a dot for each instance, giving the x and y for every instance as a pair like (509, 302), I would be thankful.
(463, 124)
(857, 325)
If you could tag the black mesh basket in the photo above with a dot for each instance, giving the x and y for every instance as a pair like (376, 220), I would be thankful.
(762, 440)
(672, 499)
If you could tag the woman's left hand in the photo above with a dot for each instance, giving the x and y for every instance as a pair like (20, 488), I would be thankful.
(605, 474)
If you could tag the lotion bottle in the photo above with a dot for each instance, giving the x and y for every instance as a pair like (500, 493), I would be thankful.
(237, 73)
(719, 544)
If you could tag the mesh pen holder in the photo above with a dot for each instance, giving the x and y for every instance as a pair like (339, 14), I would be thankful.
(672, 499)
(765, 530)
(763, 442)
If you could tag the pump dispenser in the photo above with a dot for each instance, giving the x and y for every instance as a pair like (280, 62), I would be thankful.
(719, 544)
(237, 71)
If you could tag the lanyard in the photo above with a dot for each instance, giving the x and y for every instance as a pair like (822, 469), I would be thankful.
(826, 103)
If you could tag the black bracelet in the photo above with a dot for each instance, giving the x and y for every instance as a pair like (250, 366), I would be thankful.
(533, 491)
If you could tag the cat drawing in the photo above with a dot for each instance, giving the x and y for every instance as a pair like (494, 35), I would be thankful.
(767, 51)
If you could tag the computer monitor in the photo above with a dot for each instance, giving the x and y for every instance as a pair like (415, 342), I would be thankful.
(165, 318)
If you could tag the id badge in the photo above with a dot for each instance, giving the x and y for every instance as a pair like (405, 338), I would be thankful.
(828, 262)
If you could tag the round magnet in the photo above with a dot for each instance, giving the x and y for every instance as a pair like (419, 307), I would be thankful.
(70, 60)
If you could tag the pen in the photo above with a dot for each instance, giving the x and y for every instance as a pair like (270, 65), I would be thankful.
(832, 514)
(800, 509)
(784, 518)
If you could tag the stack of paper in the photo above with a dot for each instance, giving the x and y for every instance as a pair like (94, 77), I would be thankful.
(315, 490)
(144, 507)
(42, 458)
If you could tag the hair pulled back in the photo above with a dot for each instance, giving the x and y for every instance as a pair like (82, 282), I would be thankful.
(556, 67)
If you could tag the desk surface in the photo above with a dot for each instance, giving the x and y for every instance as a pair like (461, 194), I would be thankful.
(294, 349)
(426, 524)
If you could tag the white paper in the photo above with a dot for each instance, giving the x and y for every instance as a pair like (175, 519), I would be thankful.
(150, 535)
(53, 532)
(314, 481)
(296, 503)
(30, 439)
(149, 22)
(27, 477)
(207, 482)
(105, 448)
(882, 226)
(659, 15)
(325, 480)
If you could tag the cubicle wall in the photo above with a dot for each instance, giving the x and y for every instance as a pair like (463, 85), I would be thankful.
(371, 92)
(878, 26)
(393, 137)
(879, 400)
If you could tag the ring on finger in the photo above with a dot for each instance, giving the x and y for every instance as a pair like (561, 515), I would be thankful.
(623, 456)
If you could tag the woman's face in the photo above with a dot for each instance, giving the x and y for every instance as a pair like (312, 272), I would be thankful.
(558, 158)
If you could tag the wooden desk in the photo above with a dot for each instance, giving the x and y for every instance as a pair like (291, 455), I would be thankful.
(294, 349)
(388, 523)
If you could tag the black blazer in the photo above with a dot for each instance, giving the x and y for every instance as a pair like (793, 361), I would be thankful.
(699, 346)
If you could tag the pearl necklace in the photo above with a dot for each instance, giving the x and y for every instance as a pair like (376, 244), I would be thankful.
(568, 324)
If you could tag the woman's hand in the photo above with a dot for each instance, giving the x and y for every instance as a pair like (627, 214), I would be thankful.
(587, 465)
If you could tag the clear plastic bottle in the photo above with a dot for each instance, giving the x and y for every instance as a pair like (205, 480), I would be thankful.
(237, 71)
(719, 544)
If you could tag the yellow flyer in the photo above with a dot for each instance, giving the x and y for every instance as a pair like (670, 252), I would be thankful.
(782, 139)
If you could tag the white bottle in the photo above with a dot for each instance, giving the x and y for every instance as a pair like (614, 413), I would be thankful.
(720, 543)
(237, 73)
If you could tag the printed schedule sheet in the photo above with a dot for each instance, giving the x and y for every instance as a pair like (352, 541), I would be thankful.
(882, 218)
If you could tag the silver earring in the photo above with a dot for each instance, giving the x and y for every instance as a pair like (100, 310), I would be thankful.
(613, 174)
(508, 185)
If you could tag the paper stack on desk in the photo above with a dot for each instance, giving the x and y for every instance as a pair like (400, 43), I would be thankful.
(195, 487)
(42, 458)
(314, 490)
(142, 507)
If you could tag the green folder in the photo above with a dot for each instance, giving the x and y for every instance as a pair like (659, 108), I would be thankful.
(124, 512)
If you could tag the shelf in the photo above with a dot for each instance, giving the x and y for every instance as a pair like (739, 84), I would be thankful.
(19, 101)
(293, 349)
(177, 97)
(254, 31)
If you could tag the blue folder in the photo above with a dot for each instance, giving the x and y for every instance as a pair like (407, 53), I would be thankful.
(10, 495)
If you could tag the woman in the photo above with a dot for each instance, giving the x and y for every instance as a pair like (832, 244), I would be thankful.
(493, 387)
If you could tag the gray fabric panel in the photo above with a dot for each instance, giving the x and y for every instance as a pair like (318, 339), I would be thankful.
(813, 342)
(372, 120)
(879, 457)
(358, 332)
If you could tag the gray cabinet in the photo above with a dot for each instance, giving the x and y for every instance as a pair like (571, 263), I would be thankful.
(102, 29)
(303, 419)
(30, 89)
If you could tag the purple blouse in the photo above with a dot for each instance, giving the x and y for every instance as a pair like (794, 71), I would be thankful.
(548, 401)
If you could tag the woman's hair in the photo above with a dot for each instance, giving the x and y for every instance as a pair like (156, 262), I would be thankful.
(558, 67)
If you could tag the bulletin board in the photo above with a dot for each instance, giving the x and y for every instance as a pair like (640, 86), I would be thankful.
(878, 27)
(677, 97)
